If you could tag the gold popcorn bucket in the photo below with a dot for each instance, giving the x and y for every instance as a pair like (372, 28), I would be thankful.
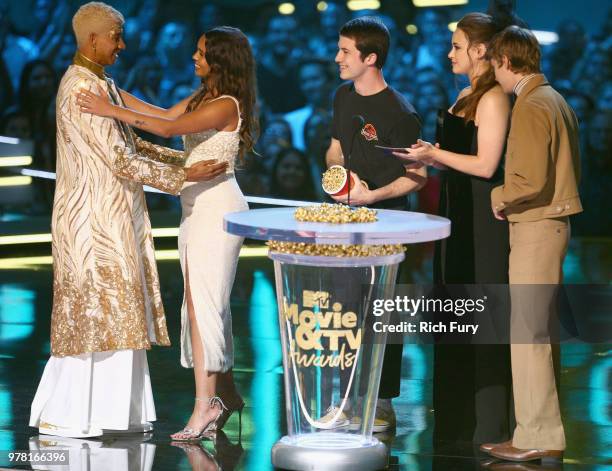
(336, 181)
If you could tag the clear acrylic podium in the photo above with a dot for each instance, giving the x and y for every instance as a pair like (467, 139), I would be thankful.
(332, 362)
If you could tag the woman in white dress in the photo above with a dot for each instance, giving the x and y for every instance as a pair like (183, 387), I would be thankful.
(219, 124)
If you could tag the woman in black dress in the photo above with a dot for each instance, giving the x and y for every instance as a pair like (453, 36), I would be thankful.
(472, 383)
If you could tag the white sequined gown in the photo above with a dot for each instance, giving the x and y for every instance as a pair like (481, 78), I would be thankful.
(208, 254)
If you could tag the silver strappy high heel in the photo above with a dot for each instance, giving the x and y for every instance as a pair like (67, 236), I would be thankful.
(191, 435)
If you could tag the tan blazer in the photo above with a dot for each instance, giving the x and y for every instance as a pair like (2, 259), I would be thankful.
(542, 157)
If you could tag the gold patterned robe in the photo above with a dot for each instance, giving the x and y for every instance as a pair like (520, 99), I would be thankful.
(106, 293)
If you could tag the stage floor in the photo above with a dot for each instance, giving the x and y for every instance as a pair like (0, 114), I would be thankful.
(25, 300)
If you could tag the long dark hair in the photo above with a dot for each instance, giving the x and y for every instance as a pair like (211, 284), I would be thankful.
(232, 72)
(479, 28)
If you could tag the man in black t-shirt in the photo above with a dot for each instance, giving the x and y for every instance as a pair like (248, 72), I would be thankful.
(389, 121)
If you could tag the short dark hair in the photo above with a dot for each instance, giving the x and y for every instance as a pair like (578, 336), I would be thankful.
(370, 35)
(521, 48)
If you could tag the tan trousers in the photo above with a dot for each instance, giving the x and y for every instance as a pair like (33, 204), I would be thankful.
(537, 250)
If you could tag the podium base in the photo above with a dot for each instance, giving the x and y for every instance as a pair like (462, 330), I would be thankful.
(329, 452)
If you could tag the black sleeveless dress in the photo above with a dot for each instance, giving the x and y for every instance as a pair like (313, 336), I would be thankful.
(478, 247)
(472, 383)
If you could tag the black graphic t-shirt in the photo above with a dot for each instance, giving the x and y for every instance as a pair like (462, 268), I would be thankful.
(390, 121)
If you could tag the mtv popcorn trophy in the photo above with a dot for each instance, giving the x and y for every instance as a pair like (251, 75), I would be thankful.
(330, 262)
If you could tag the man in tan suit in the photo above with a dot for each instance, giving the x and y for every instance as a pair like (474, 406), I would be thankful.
(540, 191)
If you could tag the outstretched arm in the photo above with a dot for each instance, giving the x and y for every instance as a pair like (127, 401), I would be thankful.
(218, 114)
(102, 138)
(142, 106)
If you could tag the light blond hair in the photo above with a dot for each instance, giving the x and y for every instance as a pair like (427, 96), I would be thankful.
(94, 17)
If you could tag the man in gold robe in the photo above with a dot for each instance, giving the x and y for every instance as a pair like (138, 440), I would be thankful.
(107, 308)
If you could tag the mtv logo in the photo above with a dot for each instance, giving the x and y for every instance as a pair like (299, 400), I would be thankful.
(318, 299)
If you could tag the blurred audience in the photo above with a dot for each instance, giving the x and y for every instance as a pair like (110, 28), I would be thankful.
(315, 79)
(144, 79)
(296, 78)
(291, 177)
(37, 90)
(175, 46)
(567, 51)
(317, 135)
(252, 176)
(65, 53)
(209, 17)
(276, 77)
(596, 179)
(51, 22)
(430, 47)
(275, 136)
(16, 50)
(6, 87)
(15, 123)
(324, 43)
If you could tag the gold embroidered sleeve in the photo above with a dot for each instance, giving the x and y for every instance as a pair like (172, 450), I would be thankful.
(139, 168)
(159, 153)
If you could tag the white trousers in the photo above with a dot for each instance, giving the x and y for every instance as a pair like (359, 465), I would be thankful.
(106, 390)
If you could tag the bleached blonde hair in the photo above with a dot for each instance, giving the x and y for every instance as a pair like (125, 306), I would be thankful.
(94, 17)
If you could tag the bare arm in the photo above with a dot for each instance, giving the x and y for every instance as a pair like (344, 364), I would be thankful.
(141, 106)
(413, 181)
(334, 156)
(492, 115)
(219, 114)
